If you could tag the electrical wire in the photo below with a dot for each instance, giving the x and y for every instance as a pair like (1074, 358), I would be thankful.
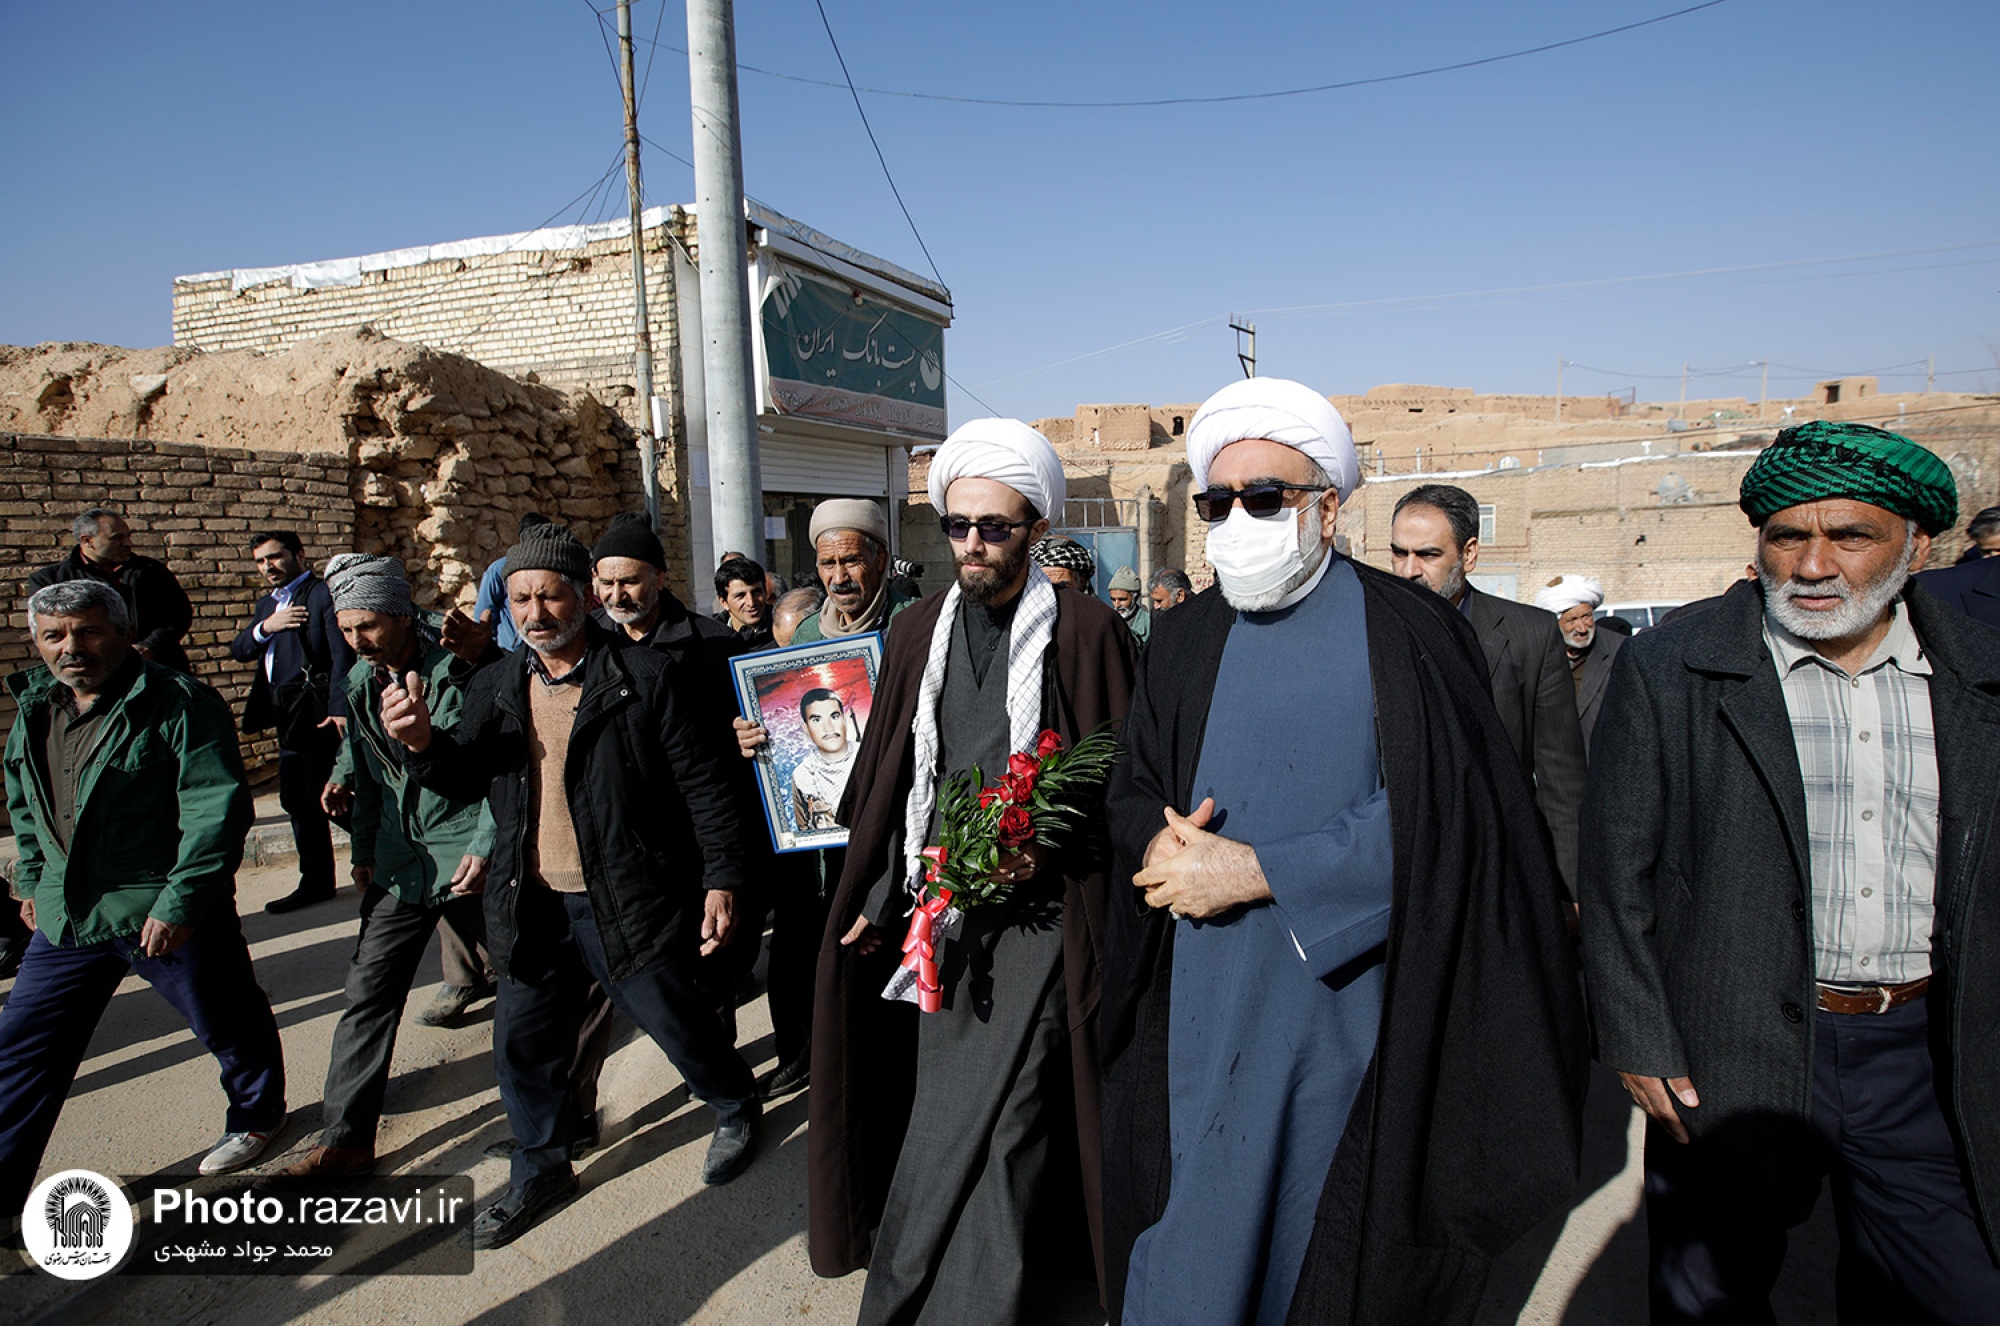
(858, 110)
(1154, 102)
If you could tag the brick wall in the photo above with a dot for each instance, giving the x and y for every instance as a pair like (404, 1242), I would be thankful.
(193, 507)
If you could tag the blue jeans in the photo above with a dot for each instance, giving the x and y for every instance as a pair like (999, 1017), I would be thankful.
(541, 1006)
(63, 990)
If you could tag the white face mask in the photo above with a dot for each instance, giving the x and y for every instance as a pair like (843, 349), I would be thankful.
(1260, 559)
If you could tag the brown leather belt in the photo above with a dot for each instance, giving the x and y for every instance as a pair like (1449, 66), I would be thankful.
(1872, 998)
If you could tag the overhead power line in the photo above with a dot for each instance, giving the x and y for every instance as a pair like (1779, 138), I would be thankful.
(1224, 98)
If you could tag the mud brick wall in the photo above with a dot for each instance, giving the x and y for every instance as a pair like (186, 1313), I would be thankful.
(193, 507)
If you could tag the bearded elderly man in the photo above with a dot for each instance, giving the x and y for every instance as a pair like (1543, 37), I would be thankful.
(1791, 920)
(618, 846)
(1575, 600)
(1343, 1035)
(954, 1133)
(850, 539)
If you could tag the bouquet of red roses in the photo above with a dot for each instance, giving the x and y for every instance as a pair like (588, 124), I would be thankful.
(1041, 799)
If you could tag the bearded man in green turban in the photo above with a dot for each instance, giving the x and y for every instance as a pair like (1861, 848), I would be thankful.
(1791, 902)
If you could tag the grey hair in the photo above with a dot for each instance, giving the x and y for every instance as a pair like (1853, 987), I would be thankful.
(73, 598)
(1172, 579)
(87, 524)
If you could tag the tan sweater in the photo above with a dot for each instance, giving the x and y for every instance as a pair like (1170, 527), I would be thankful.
(551, 857)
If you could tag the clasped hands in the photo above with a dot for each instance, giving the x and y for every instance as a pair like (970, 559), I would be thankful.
(1197, 874)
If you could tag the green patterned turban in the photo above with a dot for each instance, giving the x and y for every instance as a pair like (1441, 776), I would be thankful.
(1822, 459)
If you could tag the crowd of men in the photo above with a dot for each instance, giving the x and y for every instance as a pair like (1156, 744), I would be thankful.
(1296, 1030)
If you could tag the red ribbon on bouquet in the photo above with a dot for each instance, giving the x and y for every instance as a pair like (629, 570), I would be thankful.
(920, 945)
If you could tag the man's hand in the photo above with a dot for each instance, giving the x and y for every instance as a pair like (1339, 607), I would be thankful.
(28, 913)
(467, 639)
(864, 936)
(364, 877)
(338, 722)
(336, 800)
(158, 938)
(1205, 875)
(143, 651)
(470, 877)
(1166, 843)
(1019, 866)
(749, 737)
(1651, 1095)
(718, 920)
(288, 618)
(405, 716)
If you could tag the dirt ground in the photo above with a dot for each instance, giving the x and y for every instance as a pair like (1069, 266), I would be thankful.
(645, 1241)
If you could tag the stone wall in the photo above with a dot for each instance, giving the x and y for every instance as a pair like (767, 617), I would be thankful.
(193, 507)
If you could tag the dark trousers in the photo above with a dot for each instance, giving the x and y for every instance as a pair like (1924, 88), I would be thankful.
(64, 989)
(541, 1010)
(302, 775)
(393, 937)
(787, 896)
(1910, 1248)
(462, 949)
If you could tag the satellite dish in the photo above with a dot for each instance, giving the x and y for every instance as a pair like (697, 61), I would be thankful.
(1510, 462)
(1674, 490)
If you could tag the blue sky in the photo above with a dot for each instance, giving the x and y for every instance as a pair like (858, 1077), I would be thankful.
(146, 140)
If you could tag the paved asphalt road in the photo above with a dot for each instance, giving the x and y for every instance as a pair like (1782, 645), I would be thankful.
(645, 1241)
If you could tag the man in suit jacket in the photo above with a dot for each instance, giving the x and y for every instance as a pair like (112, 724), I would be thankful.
(1790, 929)
(301, 657)
(1434, 537)
(1973, 587)
(1574, 600)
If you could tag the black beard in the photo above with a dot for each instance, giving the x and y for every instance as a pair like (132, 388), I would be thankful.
(997, 574)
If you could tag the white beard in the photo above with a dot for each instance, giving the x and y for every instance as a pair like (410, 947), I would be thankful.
(1859, 608)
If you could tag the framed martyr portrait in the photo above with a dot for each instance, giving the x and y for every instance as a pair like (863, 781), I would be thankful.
(815, 701)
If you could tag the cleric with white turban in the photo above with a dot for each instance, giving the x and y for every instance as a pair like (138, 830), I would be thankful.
(1313, 754)
(936, 1136)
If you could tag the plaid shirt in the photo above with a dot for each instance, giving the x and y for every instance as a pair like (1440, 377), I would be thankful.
(1868, 756)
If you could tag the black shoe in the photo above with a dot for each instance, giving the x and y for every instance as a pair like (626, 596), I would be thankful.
(297, 898)
(520, 1209)
(586, 1137)
(786, 1078)
(729, 1150)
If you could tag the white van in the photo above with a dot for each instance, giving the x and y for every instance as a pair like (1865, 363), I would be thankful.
(1641, 615)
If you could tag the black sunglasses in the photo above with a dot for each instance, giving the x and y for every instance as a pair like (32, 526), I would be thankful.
(1259, 499)
(958, 528)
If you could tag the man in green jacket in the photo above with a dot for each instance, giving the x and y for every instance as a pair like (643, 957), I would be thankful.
(418, 857)
(129, 806)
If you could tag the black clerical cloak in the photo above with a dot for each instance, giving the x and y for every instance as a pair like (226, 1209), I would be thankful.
(864, 1046)
(1467, 1126)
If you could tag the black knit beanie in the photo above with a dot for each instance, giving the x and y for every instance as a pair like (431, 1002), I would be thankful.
(630, 536)
(549, 548)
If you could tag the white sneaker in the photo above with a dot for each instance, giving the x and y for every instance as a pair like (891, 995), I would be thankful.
(237, 1150)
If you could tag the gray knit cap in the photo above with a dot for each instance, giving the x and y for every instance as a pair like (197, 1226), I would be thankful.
(363, 583)
(549, 548)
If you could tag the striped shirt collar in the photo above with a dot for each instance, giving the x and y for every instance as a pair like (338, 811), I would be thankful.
(1899, 647)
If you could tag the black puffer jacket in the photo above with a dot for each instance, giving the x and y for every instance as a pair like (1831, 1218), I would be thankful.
(656, 821)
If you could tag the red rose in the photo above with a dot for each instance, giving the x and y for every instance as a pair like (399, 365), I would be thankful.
(1024, 766)
(1016, 790)
(1017, 826)
(1049, 744)
(987, 796)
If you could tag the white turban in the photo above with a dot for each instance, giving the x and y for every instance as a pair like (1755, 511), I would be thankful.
(1280, 411)
(1566, 592)
(1005, 451)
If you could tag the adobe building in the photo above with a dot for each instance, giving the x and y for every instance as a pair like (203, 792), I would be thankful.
(848, 353)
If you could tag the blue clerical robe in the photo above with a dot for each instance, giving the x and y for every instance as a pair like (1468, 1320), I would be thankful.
(1275, 1006)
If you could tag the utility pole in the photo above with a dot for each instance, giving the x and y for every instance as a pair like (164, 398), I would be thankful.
(1930, 374)
(642, 348)
(1682, 413)
(1559, 388)
(1764, 389)
(1247, 358)
(735, 481)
